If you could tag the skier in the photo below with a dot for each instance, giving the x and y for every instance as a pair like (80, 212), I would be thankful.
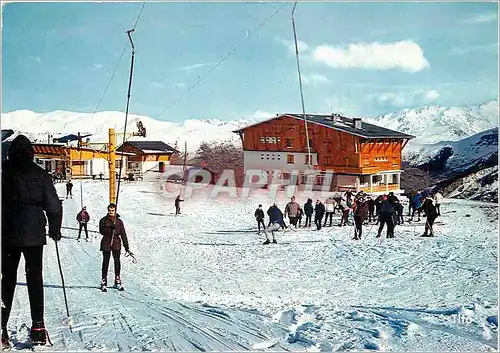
(430, 211)
(319, 211)
(371, 209)
(360, 208)
(259, 216)
(344, 209)
(27, 191)
(416, 204)
(438, 197)
(348, 196)
(276, 216)
(83, 217)
(411, 196)
(69, 188)
(292, 210)
(177, 203)
(386, 216)
(299, 218)
(329, 208)
(308, 211)
(113, 234)
(399, 212)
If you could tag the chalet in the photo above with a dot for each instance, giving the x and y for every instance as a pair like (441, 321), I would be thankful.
(360, 155)
(148, 155)
(75, 162)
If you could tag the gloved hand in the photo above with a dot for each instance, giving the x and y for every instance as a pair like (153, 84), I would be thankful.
(55, 235)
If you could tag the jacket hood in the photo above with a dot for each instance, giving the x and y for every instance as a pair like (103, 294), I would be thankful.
(21, 150)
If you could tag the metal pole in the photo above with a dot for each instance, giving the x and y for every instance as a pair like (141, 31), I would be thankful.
(309, 159)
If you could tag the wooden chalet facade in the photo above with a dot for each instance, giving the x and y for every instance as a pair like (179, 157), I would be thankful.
(73, 161)
(147, 155)
(360, 155)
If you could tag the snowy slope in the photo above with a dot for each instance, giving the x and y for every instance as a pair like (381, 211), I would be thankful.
(460, 155)
(429, 124)
(482, 185)
(204, 282)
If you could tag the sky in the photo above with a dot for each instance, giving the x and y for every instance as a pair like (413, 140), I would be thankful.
(363, 59)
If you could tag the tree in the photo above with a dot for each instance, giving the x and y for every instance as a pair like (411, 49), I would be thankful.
(218, 156)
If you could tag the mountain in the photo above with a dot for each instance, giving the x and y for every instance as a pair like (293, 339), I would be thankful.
(434, 124)
(38, 126)
(453, 157)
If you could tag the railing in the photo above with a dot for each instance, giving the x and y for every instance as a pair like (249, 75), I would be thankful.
(379, 188)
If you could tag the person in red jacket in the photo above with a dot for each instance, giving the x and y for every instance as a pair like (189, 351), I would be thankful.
(83, 218)
(113, 234)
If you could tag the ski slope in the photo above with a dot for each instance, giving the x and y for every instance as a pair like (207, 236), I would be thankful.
(203, 281)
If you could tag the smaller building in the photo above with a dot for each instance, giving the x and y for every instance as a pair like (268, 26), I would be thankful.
(147, 155)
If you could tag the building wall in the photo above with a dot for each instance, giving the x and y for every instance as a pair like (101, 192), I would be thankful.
(347, 181)
(385, 155)
(276, 160)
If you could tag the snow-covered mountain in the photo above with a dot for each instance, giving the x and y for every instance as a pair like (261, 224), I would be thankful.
(482, 185)
(38, 126)
(430, 125)
(457, 156)
(434, 124)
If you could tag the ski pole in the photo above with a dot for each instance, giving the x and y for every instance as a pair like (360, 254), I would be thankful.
(134, 260)
(70, 319)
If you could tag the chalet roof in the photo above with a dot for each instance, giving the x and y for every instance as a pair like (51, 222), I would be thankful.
(151, 147)
(345, 124)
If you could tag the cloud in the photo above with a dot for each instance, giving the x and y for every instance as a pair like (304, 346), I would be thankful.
(485, 17)
(195, 66)
(405, 99)
(342, 105)
(155, 84)
(314, 79)
(96, 67)
(404, 55)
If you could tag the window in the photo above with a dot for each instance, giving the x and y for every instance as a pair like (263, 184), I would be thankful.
(308, 159)
(289, 143)
(278, 139)
(262, 156)
(381, 159)
(290, 159)
(279, 157)
(262, 139)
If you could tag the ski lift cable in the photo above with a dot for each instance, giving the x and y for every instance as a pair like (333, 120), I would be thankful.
(231, 51)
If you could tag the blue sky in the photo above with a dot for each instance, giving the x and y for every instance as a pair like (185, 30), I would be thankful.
(356, 58)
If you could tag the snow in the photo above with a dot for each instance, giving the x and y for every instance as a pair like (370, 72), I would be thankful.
(466, 152)
(203, 281)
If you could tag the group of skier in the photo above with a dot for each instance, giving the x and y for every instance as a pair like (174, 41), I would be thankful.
(28, 193)
(385, 210)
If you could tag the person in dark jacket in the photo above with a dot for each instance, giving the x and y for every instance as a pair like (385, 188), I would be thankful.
(319, 212)
(360, 214)
(399, 212)
(308, 211)
(371, 209)
(430, 211)
(113, 235)
(386, 216)
(69, 189)
(259, 216)
(177, 204)
(83, 218)
(27, 191)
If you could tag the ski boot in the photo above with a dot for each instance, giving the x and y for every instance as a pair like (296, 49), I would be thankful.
(118, 284)
(38, 334)
(266, 242)
(274, 241)
(5, 339)
(104, 285)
